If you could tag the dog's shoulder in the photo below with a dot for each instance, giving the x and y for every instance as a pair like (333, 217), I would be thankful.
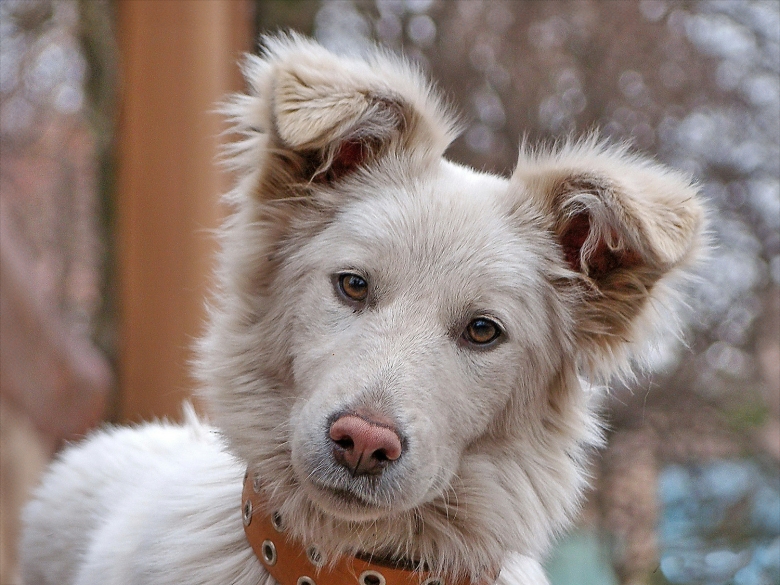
(121, 481)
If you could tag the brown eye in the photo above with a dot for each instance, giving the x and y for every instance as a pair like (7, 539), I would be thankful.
(481, 331)
(354, 287)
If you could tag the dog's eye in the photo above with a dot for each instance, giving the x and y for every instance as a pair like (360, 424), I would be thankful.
(481, 331)
(353, 287)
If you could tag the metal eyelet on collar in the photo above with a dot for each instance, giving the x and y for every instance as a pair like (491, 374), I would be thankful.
(268, 549)
(371, 578)
(246, 512)
(315, 557)
(305, 581)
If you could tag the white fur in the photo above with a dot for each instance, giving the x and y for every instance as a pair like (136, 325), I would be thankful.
(498, 437)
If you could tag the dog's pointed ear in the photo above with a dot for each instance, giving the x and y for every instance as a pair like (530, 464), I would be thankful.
(324, 116)
(623, 225)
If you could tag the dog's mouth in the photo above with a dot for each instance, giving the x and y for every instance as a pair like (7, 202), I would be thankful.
(345, 502)
(348, 497)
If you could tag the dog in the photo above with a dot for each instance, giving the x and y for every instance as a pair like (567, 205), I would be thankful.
(404, 360)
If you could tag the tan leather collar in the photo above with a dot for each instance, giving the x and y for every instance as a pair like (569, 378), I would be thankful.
(292, 563)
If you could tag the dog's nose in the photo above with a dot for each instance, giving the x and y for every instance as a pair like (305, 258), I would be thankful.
(363, 445)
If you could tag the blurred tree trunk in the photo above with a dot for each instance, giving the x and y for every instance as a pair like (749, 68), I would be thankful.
(178, 59)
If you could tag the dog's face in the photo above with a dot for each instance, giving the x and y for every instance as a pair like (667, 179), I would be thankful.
(420, 304)
(396, 346)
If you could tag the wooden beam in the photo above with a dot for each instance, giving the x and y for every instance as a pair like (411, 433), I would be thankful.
(178, 59)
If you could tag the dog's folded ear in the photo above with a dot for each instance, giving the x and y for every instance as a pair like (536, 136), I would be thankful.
(323, 116)
(623, 224)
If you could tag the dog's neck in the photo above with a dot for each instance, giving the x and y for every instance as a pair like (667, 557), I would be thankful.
(293, 563)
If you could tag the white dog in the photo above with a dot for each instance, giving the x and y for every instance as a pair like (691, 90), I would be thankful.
(395, 355)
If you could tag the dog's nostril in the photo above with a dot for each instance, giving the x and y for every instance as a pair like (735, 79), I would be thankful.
(345, 443)
(380, 455)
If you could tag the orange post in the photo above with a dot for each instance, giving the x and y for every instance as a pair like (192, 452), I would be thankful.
(178, 59)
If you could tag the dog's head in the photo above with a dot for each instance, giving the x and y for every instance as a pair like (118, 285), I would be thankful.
(396, 344)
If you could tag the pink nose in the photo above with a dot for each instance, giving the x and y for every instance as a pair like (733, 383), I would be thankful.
(364, 446)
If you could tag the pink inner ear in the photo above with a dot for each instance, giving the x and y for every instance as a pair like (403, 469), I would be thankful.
(603, 260)
(350, 155)
(573, 238)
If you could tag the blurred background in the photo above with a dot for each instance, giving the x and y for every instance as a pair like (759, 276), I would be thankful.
(109, 193)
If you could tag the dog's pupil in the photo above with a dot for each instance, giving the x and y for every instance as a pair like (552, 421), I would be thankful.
(354, 286)
(482, 331)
